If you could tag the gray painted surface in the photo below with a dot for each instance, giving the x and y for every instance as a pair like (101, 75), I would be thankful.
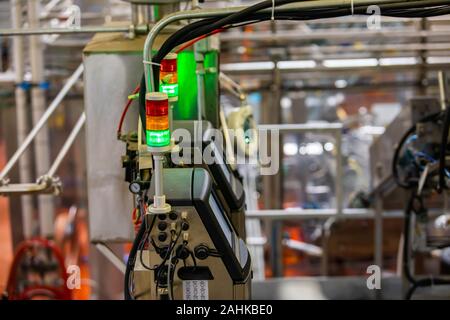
(109, 79)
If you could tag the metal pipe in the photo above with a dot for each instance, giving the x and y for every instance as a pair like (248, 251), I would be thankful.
(25, 172)
(158, 171)
(88, 29)
(232, 86)
(378, 233)
(23, 188)
(67, 145)
(339, 174)
(200, 73)
(47, 114)
(332, 34)
(443, 89)
(210, 13)
(302, 127)
(302, 214)
(308, 248)
(111, 256)
(140, 14)
(38, 103)
(47, 183)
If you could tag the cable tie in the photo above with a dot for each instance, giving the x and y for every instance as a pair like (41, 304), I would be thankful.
(152, 63)
(273, 11)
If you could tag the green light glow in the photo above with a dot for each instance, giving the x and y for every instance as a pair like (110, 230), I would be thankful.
(158, 138)
(170, 89)
(187, 87)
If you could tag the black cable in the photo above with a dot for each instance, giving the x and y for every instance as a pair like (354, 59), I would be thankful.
(172, 245)
(205, 26)
(194, 260)
(208, 25)
(142, 245)
(135, 247)
(172, 277)
(406, 250)
(406, 238)
(443, 149)
(131, 261)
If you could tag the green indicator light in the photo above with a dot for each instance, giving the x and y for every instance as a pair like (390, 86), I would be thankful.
(170, 89)
(158, 138)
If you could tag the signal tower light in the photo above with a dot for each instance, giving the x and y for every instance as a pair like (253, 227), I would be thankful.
(168, 76)
(157, 119)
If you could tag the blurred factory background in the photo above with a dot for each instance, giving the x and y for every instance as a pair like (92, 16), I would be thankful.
(333, 87)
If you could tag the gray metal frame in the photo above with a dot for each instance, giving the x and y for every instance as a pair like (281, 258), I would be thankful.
(47, 183)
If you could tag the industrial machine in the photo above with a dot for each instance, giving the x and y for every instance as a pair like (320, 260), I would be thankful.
(160, 170)
(418, 164)
(190, 234)
(197, 232)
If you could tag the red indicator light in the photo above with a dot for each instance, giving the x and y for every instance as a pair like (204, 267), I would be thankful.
(156, 104)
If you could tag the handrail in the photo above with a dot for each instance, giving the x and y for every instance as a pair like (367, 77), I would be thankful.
(40, 124)
(47, 183)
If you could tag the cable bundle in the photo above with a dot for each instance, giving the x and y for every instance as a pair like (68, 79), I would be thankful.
(253, 14)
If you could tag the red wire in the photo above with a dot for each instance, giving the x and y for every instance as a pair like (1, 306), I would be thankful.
(124, 112)
(190, 43)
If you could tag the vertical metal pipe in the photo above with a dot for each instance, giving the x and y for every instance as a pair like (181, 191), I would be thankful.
(339, 168)
(38, 103)
(378, 234)
(21, 118)
(273, 185)
(200, 71)
(141, 14)
(158, 175)
(443, 89)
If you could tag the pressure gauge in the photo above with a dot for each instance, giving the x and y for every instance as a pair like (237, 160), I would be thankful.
(135, 187)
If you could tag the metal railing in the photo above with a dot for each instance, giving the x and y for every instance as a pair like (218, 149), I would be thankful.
(47, 183)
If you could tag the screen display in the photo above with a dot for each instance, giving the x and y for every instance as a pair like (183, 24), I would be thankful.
(223, 222)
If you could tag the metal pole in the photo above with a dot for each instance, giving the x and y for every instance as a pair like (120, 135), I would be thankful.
(443, 89)
(47, 114)
(42, 141)
(65, 148)
(158, 171)
(378, 235)
(339, 174)
(47, 183)
(21, 119)
(90, 29)
(200, 71)
(111, 256)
